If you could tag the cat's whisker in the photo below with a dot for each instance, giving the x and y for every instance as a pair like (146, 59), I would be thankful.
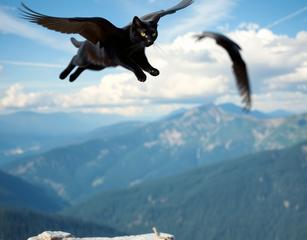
(159, 49)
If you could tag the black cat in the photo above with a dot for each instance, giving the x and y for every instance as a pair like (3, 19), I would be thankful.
(107, 45)
(127, 49)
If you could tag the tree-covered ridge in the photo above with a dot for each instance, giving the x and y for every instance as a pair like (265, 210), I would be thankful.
(262, 196)
(22, 224)
(17, 193)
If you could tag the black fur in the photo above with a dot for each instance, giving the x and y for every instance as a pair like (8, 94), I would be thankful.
(107, 45)
(127, 49)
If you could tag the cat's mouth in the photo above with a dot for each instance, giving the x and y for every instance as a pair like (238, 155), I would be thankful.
(148, 43)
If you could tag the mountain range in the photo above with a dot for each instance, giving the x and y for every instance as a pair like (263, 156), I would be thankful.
(261, 196)
(28, 133)
(127, 154)
(248, 178)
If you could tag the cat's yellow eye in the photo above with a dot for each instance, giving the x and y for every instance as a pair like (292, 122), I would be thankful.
(143, 34)
(154, 34)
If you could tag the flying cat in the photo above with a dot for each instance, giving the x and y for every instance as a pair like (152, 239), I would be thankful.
(107, 45)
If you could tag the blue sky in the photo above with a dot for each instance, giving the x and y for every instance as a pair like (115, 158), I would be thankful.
(32, 57)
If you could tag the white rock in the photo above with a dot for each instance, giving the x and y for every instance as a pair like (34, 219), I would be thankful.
(68, 236)
(52, 236)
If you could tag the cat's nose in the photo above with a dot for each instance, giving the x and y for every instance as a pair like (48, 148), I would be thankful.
(149, 41)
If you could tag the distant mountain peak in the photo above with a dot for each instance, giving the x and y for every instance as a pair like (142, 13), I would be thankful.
(230, 107)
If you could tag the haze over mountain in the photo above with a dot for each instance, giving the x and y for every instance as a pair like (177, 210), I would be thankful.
(58, 123)
(262, 196)
(24, 133)
(229, 107)
(16, 193)
(131, 153)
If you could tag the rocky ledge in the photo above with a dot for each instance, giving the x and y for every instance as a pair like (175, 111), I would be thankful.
(68, 236)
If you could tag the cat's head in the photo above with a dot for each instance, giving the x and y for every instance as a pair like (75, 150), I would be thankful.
(142, 32)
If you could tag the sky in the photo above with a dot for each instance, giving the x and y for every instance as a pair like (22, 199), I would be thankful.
(272, 34)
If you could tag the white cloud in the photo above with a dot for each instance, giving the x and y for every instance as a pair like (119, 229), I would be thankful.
(270, 56)
(191, 73)
(15, 97)
(298, 78)
(9, 24)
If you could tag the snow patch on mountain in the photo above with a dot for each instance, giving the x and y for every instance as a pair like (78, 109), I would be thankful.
(98, 182)
(172, 138)
(259, 135)
(286, 204)
(151, 144)
(23, 168)
(135, 182)
(57, 187)
(210, 147)
(274, 146)
(14, 152)
(102, 154)
(228, 144)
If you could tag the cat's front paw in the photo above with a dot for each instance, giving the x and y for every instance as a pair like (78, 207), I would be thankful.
(154, 72)
(63, 75)
(73, 77)
(142, 77)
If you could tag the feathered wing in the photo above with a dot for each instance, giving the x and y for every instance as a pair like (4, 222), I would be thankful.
(155, 16)
(92, 29)
(239, 66)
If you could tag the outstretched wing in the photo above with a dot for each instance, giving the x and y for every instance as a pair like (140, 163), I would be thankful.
(239, 66)
(93, 29)
(155, 16)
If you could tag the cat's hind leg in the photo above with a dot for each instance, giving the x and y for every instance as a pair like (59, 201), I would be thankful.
(76, 74)
(68, 69)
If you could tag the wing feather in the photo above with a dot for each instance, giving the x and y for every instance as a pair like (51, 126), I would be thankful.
(155, 16)
(239, 66)
(92, 29)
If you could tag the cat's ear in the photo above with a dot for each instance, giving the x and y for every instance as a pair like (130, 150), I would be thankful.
(137, 22)
(155, 21)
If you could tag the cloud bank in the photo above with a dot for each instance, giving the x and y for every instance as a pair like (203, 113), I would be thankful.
(191, 73)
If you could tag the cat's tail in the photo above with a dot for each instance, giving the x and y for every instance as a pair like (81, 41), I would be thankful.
(75, 42)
